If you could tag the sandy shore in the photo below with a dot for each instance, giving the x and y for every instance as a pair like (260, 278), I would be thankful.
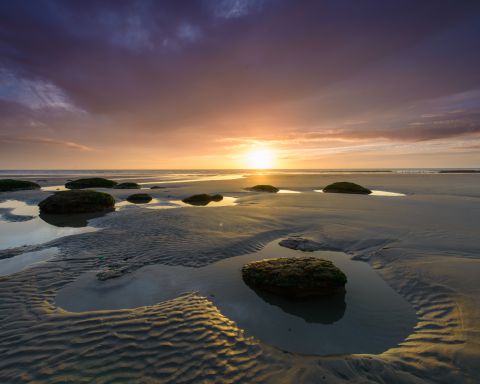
(425, 245)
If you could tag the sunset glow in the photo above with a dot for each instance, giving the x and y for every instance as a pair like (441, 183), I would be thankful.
(168, 85)
(260, 159)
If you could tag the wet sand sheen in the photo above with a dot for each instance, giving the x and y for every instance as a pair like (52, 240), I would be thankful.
(369, 318)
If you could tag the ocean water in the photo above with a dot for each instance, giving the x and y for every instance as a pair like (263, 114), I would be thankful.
(152, 176)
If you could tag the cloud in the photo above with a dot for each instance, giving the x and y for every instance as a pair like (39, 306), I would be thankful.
(231, 9)
(178, 76)
(34, 94)
(43, 140)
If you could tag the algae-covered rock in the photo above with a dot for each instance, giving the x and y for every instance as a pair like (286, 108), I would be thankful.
(139, 198)
(295, 277)
(8, 185)
(346, 187)
(263, 188)
(202, 199)
(93, 182)
(127, 186)
(69, 202)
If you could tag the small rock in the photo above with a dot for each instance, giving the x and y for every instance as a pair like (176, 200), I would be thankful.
(346, 187)
(301, 244)
(139, 198)
(263, 188)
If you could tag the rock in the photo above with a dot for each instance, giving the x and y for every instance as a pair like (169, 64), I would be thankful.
(93, 182)
(346, 187)
(157, 187)
(139, 198)
(8, 185)
(127, 186)
(294, 277)
(300, 244)
(202, 199)
(111, 273)
(68, 202)
(263, 188)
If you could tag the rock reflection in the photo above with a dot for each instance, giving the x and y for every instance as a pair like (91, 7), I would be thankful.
(322, 310)
(78, 220)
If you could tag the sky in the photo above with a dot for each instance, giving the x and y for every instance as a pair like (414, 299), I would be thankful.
(216, 83)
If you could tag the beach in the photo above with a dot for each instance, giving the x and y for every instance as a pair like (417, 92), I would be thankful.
(424, 243)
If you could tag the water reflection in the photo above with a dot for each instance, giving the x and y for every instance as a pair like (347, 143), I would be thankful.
(386, 193)
(374, 193)
(126, 203)
(323, 310)
(225, 202)
(288, 191)
(36, 230)
(26, 260)
(19, 208)
(55, 188)
(77, 220)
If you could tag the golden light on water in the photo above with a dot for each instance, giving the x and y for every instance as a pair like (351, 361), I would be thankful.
(260, 159)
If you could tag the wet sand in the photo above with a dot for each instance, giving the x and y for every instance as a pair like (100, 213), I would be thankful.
(425, 246)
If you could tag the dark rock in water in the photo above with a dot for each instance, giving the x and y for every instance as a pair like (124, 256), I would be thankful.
(127, 186)
(300, 244)
(67, 202)
(294, 277)
(346, 187)
(263, 188)
(157, 187)
(93, 182)
(8, 185)
(202, 199)
(139, 198)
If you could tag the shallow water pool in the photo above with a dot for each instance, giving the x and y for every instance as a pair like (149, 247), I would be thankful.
(369, 318)
(26, 260)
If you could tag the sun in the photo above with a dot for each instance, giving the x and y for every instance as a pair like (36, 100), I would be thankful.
(260, 159)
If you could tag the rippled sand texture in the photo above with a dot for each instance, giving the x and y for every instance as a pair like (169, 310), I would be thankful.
(425, 245)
